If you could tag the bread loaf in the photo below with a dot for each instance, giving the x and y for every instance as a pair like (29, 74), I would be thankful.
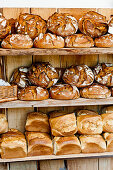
(33, 93)
(95, 91)
(56, 113)
(17, 41)
(79, 76)
(37, 121)
(43, 74)
(64, 125)
(79, 40)
(66, 145)
(48, 41)
(3, 123)
(30, 24)
(110, 25)
(104, 41)
(109, 141)
(62, 24)
(39, 144)
(93, 24)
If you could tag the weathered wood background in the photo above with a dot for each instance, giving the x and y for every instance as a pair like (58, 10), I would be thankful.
(17, 117)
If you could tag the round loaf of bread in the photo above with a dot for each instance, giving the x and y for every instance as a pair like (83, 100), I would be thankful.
(104, 41)
(79, 40)
(79, 76)
(62, 24)
(30, 24)
(48, 41)
(64, 92)
(110, 25)
(95, 91)
(43, 74)
(17, 41)
(104, 74)
(33, 93)
(93, 24)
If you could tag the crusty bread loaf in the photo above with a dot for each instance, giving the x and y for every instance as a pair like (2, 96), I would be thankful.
(30, 24)
(93, 24)
(17, 41)
(95, 91)
(66, 145)
(33, 93)
(13, 145)
(79, 76)
(109, 141)
(110, 25)
(79, 40)
(43, 74)
(37, 121)
(89, 122)
(56, 113)
(64, 125)
(48, 41)
(64, 92)
(39, 144)
(104, 41)
(3, 123)
(62, 24)
(92, 143)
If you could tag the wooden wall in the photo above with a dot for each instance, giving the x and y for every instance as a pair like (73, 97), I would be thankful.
(17, 117)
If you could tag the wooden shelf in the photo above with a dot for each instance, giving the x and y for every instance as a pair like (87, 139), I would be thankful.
(60, 51)
(56, 103)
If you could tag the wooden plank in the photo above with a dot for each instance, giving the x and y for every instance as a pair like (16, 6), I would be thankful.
(105, 164)
(27, 165)
(50, 165)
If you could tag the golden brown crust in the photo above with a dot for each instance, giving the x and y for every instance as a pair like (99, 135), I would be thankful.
(79, 41)
(93, 24)
(62, 24)
(64, 125)
(95, 91)
(104, 41)
(17, 41)
(109, 140)
(43, 74)
(66, 145)
(79, 76)
(37, 121)
(56, 113)
(30, 24)
(48, 40)
(3, 124)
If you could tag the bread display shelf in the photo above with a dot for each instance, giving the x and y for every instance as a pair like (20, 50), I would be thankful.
(60, 51)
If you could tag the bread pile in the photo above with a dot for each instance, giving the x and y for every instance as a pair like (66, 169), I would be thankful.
(60, 30)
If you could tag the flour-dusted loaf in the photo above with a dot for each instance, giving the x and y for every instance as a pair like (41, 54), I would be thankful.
(62, 24)
(33, 93)
(89, 122)
(95, 91)
(110, 25)
(3, 124)
(64, 92)
(30, 24)
(48, 40)
(109, 141)
(105, 41)
(66, 145)
(79, 76)
(79, 41)
(39, 144)
(92, 143)
(13, 145)
(64, 125)
(37, 121)
(43, 74)
(17, 41)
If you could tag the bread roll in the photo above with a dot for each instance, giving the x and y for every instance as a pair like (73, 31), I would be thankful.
(30, 24)
(89, 122)
(33, 93)
(95, 91)
(37, 121)
(66, 145)
(13, 145)
(110, 25)
(64, 125)
(104, 41)
(43, 74)
(109, 140)
(39, 144)
(79, 40)
(48, 41)
(93, 24)
(56, 113)
(62, 24)
(92, 143)
(79, 76)
(64, 92)
(3, 123)
(17, 41)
